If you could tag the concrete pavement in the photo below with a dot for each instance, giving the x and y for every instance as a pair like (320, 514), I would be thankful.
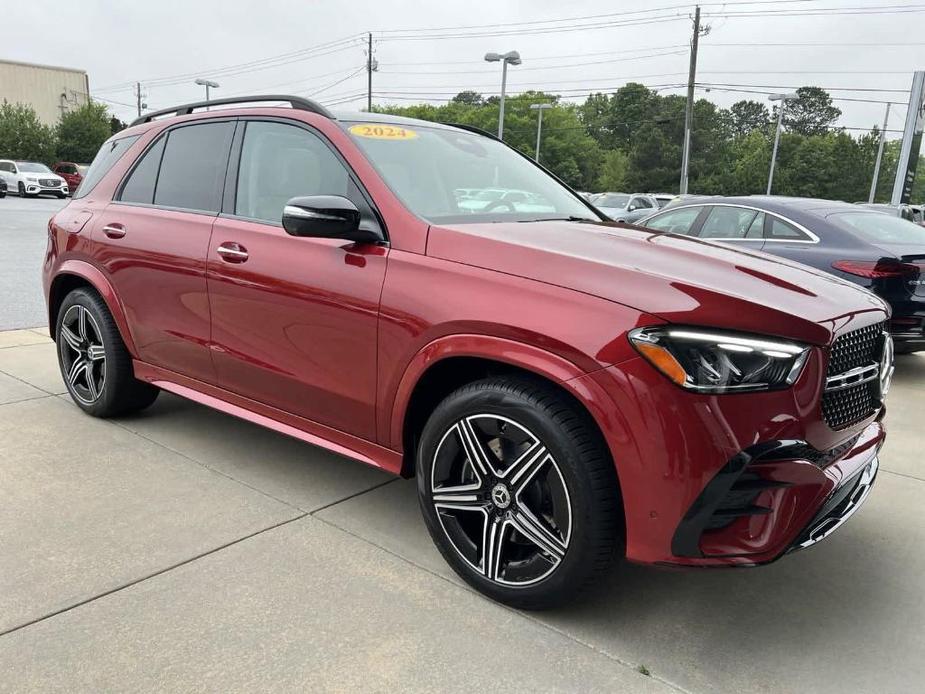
(183, 549)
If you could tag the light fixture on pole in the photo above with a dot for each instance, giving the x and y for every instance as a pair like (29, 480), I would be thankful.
(783, 99)
(509, 58)
(208, 84)
(539, 108)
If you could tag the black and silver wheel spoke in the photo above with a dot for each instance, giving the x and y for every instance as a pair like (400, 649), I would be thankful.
(501, 499)
(83, 356)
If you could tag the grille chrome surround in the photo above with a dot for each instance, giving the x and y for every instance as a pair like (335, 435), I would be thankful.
(852, 385)
(49, 182)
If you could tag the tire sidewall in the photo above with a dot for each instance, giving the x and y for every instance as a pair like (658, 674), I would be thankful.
(91, 303)
(569, 575)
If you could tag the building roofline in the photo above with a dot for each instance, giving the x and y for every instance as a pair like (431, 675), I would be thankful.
(43, 67)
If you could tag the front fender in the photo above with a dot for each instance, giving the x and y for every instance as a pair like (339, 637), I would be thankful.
(552, 366)
(92, 275)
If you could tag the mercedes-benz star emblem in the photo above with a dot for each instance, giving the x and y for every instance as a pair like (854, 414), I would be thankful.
(500, 496)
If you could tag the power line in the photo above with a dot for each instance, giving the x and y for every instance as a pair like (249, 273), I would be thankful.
(249, 66)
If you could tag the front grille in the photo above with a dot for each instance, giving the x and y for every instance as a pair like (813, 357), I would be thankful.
(48, 182)
(859, 348)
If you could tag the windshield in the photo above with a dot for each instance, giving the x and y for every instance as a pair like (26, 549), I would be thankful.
(880, 228)
(32, 167)
(450, 176)
(612, 200)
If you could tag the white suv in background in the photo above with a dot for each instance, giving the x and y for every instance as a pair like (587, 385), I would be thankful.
(31, 178)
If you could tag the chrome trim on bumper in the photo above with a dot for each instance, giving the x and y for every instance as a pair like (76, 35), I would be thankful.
(821, 529)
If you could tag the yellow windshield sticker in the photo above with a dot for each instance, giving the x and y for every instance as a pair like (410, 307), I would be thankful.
(380, 131)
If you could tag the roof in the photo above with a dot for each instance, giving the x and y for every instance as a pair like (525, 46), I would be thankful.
(779, 203)
(43, 67)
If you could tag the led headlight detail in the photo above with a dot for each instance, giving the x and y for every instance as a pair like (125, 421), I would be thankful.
(716, 361)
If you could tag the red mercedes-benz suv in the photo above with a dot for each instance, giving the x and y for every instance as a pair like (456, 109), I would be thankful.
(425, 299)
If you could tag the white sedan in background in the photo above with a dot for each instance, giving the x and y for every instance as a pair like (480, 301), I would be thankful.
(28, 178)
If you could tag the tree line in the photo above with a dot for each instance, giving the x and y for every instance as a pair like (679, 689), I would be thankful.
(631, 141)
(76, 137)
(627, 141)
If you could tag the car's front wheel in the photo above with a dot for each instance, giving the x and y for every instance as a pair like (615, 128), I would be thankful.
(95, 364)
(518, 491)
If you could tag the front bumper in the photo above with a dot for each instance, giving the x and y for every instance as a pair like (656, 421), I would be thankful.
(727, 480)
(37, 188)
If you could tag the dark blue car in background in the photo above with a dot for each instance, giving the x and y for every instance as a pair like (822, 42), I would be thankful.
(885, 254)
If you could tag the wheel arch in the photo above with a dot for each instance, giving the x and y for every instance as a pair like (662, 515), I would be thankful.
(75, 274)
(450, 362)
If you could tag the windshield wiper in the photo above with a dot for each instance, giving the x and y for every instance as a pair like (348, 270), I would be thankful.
(570, 218)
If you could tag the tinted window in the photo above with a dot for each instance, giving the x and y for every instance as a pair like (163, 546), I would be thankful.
(66, 169)
(193, 167)
(6, 167)
(104, 160)
(641, 203)
(280, 162)
(782, 231)
(756, 228)
(676, 221)
(140, 184)
(727, 223)
(879, 228)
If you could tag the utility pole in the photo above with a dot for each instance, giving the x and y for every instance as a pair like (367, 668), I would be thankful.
(873, 183)
(911, 142)
(689, 111)
(138, 96)
(369, 75)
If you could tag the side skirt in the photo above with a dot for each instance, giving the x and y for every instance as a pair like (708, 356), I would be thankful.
(270, 417)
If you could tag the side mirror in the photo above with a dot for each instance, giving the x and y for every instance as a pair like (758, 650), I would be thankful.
(631, 208)
(325, 217)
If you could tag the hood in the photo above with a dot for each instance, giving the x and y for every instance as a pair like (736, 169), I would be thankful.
(676, 278)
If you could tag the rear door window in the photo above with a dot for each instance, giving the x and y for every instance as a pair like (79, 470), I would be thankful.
(728, 223)
(680, 221)
(104, 160)
(192, 170)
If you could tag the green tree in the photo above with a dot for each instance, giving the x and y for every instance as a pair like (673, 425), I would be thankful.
(470, 98)
(812, 113)
(82, 131)
(613, 171)
(747, 115)
(23, 135)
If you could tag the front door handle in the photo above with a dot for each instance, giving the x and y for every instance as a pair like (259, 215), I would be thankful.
(232, 252)
(114, 231)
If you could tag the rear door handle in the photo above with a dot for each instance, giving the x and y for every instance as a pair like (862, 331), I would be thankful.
(114, 231)
(232, 252)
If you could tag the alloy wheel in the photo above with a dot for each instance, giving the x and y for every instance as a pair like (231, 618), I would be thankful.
(83, 357)
(501, 499)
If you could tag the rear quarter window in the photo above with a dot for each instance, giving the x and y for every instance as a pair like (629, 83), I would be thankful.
(105, 159)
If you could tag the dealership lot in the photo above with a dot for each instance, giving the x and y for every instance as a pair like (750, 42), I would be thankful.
(185, 549)
(22, 232)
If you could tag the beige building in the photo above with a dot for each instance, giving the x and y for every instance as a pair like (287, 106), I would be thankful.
(50, 90)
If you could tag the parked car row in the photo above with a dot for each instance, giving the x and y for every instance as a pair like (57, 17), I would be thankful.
(31, 178)
(881, 252)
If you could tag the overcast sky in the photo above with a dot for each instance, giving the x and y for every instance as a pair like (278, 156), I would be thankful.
(173, 41)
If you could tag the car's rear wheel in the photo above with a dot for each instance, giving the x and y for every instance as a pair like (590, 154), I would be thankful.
(95, 364)
(518, 491)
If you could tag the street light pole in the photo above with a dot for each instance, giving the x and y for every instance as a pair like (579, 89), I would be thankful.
(509, 58)
(689, 109)
(539, 125)
(783, 99)
(873, 183)
(207, 84)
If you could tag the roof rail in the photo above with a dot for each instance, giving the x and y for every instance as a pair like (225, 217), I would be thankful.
(296, 102)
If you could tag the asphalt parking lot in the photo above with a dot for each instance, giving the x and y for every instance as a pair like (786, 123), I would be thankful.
(23, 234)
(183, 549)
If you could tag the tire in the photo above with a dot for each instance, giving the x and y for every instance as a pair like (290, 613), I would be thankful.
(95, 365)
(22, 190)
(555, 511)
(61, 196)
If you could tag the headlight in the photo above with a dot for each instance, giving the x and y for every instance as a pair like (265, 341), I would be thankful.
(716, 361)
